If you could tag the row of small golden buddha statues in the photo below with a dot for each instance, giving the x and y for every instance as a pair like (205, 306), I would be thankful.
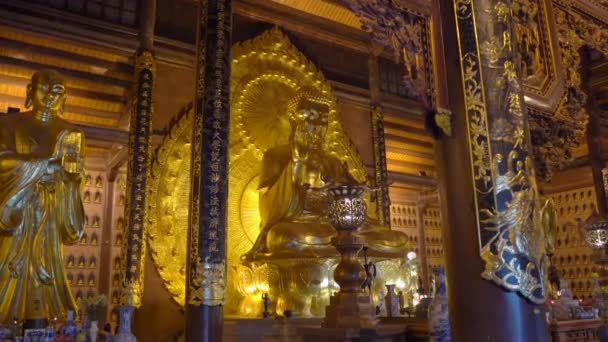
(80, 279)
(84, 240)
(572, 259)
(576, 273)
(89, 181)
(82, 263)
(94, 223)
(80, 295)
(97, 199)
(434, 252)
(573, 197)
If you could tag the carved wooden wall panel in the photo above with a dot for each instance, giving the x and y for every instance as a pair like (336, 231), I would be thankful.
(83, 259)
(572, 256)
(404, 218)
(118, 237)
(433, 237)
(539, 62)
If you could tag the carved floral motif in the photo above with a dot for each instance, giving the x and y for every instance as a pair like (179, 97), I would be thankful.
(505, 189)
(554, 137)
(394, 26)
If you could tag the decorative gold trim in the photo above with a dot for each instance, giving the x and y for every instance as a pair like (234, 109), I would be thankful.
(208, 284)
(380, 169)
(443, 119)
(605, 180)
(145, 60)
(163, 226)
(506, 197)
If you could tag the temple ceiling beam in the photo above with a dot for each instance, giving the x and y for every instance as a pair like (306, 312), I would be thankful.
(302, 23)
(597, 9)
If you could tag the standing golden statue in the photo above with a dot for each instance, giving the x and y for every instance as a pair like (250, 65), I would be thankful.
(41, 167)
(294, 220)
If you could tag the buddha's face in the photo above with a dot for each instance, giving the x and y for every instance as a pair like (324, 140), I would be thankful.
(311, 128)
(46, 92)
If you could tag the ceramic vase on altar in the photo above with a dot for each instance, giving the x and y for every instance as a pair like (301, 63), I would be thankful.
(439, 320)
(381, 304)
(391, 301)
(93, 331)
(124, 327)
(69, 328)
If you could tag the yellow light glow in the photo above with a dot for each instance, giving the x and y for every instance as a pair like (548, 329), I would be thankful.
(250, 289)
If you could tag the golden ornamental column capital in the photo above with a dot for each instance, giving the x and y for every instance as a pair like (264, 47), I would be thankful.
(145, 59)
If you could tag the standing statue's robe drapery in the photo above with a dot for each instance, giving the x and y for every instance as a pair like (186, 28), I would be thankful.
(40, 209)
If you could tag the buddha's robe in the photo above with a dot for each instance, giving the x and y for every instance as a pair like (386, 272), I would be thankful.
(294, 221)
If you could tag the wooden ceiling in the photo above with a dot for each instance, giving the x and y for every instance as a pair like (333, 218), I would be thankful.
(329, 10)
(98, 80)
(98, 84)
(99, 75)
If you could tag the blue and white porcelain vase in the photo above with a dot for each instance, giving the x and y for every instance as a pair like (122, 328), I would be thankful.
(124, 327)
(392, 301)
(439, 319)
(69, 329)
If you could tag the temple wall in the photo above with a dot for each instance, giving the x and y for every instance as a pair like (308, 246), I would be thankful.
(174, 88)
(82, 260)
(357, 123)
(573, 256)
(404, 217)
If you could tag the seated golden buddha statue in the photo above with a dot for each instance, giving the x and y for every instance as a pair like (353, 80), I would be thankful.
(294, 222)
(41, 164)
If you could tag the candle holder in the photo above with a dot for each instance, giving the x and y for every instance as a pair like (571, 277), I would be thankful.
(350, 307)
(595, 232)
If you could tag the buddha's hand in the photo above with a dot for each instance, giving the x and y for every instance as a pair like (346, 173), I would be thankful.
(72, 163)
(300, 144)
(67, 152)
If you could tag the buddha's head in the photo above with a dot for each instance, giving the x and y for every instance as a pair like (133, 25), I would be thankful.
(46, 94)
(309, 115)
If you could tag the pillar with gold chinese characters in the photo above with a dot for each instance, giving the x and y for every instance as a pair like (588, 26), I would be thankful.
(140, 149)
(489, 197)
(380, 169)
(137, 175)
(206, 273)
(381, 173)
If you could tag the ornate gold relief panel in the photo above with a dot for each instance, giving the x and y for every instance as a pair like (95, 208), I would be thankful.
(408, 33)
(560, 129)
(533, 40)
(506, 194)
